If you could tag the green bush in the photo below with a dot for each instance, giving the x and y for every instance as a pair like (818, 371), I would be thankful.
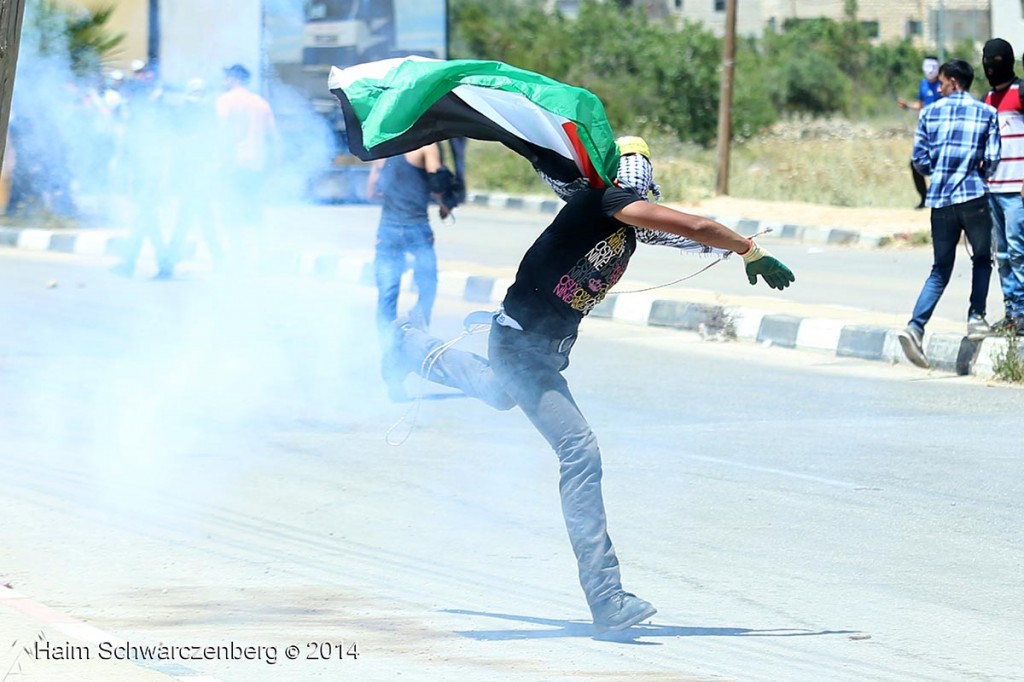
(656, 77)
(814, 85)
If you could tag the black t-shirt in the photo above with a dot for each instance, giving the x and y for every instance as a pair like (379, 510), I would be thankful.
(573, 263)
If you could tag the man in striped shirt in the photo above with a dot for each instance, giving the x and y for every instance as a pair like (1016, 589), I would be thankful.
(1007, 184)
(958, 145)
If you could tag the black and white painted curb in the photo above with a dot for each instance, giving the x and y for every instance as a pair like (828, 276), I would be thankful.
(804, 234)
(103, 243)
(948, 352)
(38, 239)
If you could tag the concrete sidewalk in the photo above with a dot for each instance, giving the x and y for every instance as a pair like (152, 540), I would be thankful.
(791, 221)
(841, 331)
(49, 646)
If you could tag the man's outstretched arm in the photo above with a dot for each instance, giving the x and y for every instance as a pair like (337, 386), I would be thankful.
(706, 231)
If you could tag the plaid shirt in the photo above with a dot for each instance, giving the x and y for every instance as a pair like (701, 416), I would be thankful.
(957, 140)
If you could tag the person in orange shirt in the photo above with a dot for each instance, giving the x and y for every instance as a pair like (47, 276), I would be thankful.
(249, 149)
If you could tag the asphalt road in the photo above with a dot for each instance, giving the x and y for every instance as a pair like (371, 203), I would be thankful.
(205, 461)
(833, 279)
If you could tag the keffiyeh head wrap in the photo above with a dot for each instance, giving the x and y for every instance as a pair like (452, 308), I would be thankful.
(635, 169)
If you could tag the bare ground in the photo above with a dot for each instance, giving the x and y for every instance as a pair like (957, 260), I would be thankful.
(875, 221)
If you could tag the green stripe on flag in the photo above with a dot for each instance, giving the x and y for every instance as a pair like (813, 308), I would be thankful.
(391, 105)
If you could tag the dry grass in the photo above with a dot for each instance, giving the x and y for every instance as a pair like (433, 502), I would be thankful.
(820, 162)
(1008, 363)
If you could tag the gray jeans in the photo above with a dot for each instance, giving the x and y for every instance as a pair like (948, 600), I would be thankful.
(526, 370)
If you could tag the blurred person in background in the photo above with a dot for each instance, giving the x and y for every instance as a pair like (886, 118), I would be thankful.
(249, 148)
(193, 173)
(145, 163)
(1007, 184)
(93, 155)
(927, 93)
(41, 180)
(6, 171)
(111, 93)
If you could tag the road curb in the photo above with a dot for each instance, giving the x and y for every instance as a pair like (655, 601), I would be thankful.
(804, 234)
(947, 352)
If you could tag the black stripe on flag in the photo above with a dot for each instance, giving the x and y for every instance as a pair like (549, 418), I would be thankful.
(451, 117)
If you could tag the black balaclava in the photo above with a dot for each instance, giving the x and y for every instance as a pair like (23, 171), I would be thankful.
(997, 58)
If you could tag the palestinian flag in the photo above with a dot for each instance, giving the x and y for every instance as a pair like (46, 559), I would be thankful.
(396, 105)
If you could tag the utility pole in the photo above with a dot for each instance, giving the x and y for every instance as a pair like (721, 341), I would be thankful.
(153, 39)
(725, 99)
(942, 31)
(11, 13)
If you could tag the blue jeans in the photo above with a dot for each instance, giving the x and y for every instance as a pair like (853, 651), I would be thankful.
(973, 218)
(525, 369)
(393, 243)
(1008, 224)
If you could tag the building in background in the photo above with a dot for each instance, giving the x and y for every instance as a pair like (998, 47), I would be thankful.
(233, 31)
(288, 46)
(885, 20)
(1008, 23)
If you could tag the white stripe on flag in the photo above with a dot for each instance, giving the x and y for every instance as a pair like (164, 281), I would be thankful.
(342, 78)
(519, 116)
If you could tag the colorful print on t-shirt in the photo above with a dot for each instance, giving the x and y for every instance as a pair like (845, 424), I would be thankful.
(588, 282)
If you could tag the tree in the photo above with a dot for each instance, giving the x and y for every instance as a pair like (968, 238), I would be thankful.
(11, 13)
(656, 76)
(78, 35)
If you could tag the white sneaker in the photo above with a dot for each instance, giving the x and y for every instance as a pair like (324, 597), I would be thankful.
(977, 328)
(620, 611)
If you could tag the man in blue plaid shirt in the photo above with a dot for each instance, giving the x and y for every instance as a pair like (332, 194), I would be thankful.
(958, 145)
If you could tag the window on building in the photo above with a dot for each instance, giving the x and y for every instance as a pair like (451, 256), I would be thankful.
(719, 5)
(914, 28)
(679, 5)
(871, 29)
(960, 25)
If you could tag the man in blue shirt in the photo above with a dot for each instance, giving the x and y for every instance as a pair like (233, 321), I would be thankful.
(404, 184)
(927, 93)
(957, 143)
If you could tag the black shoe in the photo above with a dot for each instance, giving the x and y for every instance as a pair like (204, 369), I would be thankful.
(478, 318)
(920, 206)
(395, 362)
(1009, 326)
(912, 342)
(620, 611)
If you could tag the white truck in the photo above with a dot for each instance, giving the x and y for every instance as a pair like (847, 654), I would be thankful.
(342, 32)
(346, 32)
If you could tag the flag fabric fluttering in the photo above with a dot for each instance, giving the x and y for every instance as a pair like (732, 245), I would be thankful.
(393, 106)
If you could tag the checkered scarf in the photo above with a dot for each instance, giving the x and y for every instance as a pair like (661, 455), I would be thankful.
(637, 173)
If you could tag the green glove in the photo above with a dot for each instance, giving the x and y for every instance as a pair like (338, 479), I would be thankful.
(760, 262)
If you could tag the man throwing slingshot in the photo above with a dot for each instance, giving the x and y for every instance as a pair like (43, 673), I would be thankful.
(569, 269)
